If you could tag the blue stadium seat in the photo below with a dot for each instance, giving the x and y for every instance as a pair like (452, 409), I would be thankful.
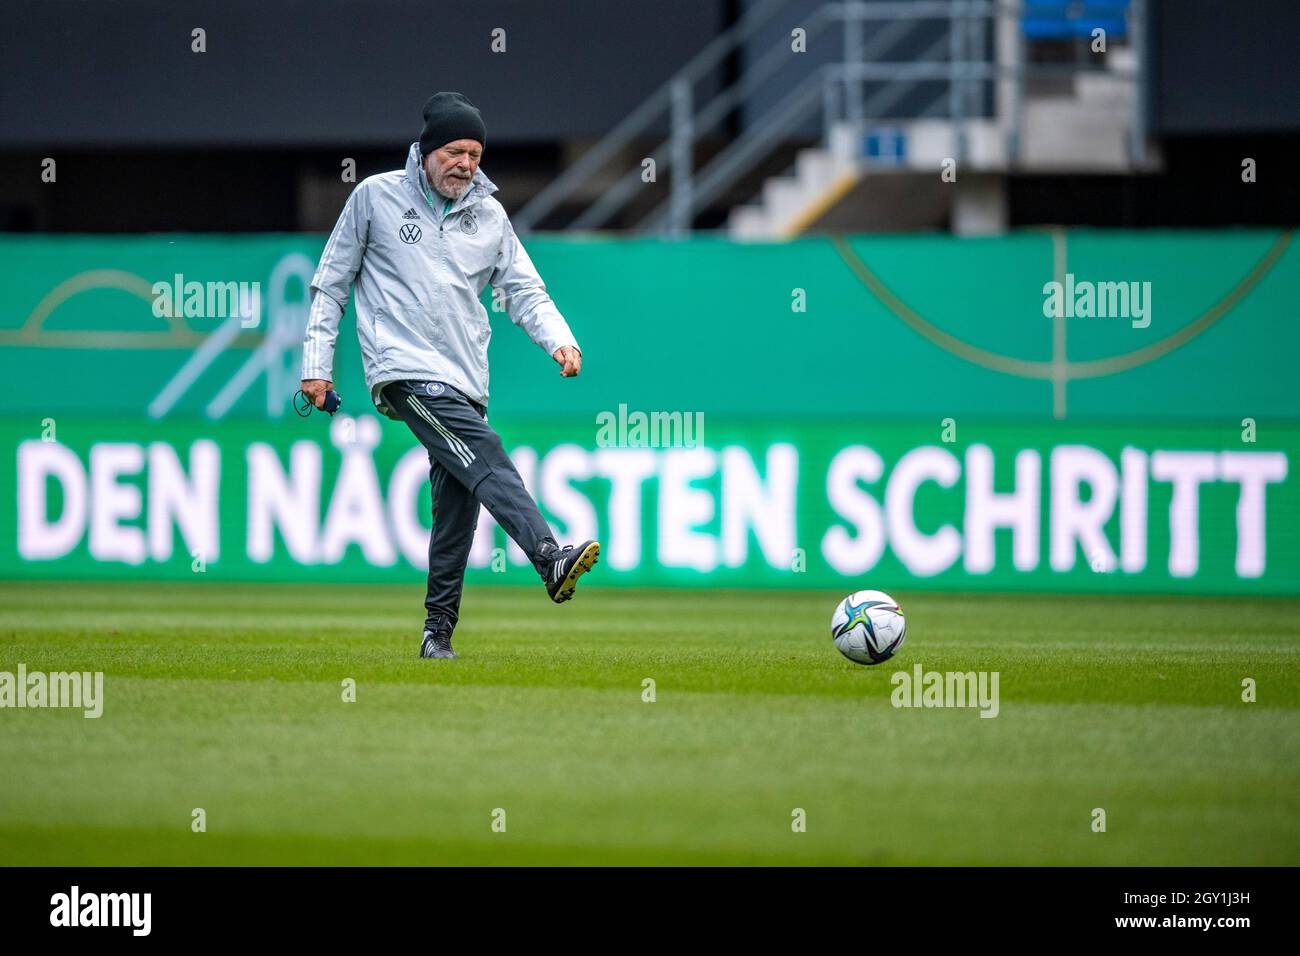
(1063, 19)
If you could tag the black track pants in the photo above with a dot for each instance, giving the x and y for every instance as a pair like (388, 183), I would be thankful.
(468, 466)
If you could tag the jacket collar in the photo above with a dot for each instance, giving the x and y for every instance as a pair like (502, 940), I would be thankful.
(480, 186)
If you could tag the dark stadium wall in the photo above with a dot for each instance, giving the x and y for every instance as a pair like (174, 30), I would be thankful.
(1225, 68)
(304, 73)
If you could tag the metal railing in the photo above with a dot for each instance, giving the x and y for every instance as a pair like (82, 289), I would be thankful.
(963, 59)
(644, 116)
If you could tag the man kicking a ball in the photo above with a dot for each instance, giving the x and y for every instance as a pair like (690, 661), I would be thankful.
(420, 244)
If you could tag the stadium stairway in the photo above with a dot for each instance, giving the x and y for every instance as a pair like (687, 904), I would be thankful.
(888, 175)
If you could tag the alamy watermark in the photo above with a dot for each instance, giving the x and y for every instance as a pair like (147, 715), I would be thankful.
(208, 300)
(75, 689)
(75, 908)
(923, 688)
(1085, 299)
(636, 429)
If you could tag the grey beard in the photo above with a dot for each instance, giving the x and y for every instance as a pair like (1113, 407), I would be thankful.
(449, 181)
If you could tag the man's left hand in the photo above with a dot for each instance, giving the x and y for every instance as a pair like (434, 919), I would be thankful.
(571, 360)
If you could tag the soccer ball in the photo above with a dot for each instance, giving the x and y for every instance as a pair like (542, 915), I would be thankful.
(868, 627)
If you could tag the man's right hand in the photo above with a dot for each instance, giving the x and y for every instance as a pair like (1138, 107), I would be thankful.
(315, 389)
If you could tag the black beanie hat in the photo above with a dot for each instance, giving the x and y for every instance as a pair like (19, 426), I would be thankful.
(449, 117)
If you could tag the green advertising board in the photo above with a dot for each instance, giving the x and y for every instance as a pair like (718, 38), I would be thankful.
(1003, 507)
(903, 412)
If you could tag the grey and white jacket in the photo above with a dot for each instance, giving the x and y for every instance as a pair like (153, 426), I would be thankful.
(418, 277)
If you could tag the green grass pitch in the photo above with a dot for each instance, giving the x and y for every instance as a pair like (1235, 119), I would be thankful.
(229, 698)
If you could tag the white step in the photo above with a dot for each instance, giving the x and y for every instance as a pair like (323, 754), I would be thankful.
(1103, 89)
(814, 167)
(843, 144)
(1121, 59)
(930, 142)
(786, 199)
(1062, 133)
(749, 223)
(783, 197)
